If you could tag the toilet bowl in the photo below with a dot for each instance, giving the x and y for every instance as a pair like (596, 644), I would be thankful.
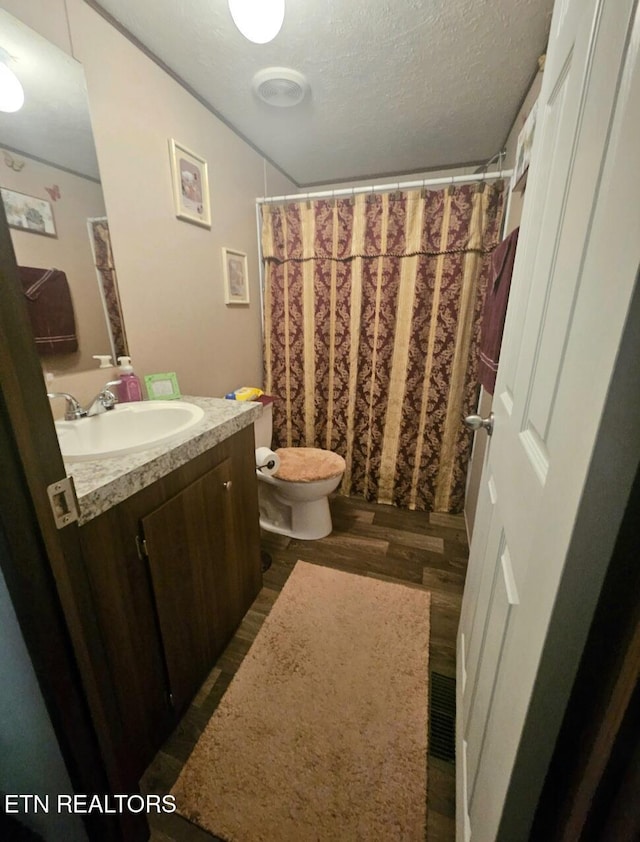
(294, 500)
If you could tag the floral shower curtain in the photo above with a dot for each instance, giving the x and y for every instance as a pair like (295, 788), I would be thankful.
(372, 315)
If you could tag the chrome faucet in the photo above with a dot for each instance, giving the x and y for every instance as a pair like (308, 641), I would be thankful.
(103, 401)
(73, 409)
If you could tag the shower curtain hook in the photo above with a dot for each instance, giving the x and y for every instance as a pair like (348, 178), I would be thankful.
(481, 185)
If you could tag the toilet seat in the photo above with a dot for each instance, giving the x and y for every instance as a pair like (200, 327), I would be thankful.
(308, 464)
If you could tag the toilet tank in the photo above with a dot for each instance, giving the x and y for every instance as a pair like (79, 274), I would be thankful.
(263, 426)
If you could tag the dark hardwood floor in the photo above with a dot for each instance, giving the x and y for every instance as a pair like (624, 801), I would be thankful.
(428, 550)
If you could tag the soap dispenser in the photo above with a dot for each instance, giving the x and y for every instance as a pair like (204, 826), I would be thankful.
(130, 388)
(104, 360)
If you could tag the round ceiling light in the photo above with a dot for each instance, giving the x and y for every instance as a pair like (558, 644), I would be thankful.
(280, 86)
(258, 20)
(11, 92)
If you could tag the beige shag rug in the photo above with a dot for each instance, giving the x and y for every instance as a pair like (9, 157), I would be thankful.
(322, 734)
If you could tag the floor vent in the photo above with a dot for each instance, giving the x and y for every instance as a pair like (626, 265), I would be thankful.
(442, 717)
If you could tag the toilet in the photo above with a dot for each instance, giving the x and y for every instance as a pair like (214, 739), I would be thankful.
(294, 500)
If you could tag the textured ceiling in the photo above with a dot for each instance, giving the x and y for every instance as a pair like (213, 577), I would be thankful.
(396, 85)
(54, 122)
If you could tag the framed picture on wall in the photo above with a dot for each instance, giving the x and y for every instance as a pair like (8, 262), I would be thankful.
(28, 213)
(190, 185)
(236, 276)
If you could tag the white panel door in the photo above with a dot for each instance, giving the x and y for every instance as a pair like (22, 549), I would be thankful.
(578, 255)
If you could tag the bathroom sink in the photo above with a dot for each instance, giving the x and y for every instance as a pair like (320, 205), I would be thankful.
(126, 428)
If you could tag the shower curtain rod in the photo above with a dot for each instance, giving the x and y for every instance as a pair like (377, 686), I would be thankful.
(386, 188)
(372, 188)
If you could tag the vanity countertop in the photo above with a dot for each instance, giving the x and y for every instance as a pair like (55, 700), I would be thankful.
(102, 483)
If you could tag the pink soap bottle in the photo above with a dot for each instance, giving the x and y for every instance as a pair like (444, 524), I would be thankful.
(130, 388)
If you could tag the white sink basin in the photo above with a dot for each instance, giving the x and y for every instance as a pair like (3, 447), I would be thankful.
(126, 428)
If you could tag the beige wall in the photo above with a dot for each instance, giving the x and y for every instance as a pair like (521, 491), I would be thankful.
(47, 17)
(69, 251)
(169, 271)
(512, 221)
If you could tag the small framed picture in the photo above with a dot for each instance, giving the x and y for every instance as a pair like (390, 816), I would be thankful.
(162, 387)
(28, 213)
(190, 185)
(236, 276)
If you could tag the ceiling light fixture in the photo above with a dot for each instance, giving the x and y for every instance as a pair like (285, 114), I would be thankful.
(258, 20)
(280, 86)
(11, 92)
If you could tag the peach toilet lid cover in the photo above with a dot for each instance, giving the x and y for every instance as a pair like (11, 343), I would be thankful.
(308, 464)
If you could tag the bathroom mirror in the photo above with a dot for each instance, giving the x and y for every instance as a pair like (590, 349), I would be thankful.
(55, 208)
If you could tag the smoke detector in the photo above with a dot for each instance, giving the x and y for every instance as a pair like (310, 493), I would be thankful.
(280, 86)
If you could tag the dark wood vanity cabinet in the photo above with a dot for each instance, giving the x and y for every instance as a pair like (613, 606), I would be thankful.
(200, 603)
(173, 570)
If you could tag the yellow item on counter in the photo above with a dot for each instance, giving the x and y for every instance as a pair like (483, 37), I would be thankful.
(247, 393)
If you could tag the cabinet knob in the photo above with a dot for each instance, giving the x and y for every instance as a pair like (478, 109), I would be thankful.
(227, 485)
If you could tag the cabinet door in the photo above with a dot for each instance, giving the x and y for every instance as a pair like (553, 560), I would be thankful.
(187, 544)
(125, 614)
(243, 574)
